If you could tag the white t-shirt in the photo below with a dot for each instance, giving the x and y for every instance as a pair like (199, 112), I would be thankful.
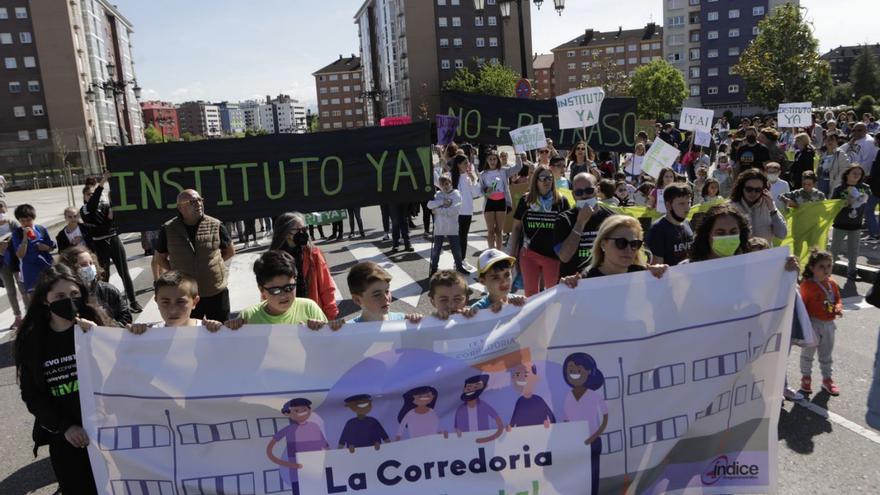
(468, 191)
(777, 189)
(73, 235)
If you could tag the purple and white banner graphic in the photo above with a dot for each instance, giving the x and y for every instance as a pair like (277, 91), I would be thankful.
(627, 384)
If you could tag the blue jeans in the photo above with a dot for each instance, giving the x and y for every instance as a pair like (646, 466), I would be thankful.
(870, 217)
(437, 247)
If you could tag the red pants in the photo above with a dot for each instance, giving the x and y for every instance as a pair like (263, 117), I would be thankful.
(536, 266)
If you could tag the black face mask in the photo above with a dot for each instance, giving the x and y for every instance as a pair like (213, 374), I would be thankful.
(677, 218)
(301, 239)
(67, 308)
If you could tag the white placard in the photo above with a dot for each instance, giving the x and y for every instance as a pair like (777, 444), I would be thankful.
(794, 114)
(702, 138)
(696, 119)
(579, 109)
(661, 203)
(530, 137)
(659, 155)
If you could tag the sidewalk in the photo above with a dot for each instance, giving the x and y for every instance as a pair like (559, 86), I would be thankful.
(49, 203)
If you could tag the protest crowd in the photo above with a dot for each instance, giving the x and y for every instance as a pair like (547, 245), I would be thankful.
(552, 216)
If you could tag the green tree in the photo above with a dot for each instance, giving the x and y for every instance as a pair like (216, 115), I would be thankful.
(782, 63)
(659, 88)
(152, 135)
(865, 105)
(464, 80)
(840, 94)
(492, 79)
(865, 80)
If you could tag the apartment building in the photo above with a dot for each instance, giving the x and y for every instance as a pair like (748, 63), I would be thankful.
(340, 94)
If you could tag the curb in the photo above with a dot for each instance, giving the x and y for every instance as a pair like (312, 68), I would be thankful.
(867, 273)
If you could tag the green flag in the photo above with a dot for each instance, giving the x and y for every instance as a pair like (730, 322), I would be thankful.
(808, 227)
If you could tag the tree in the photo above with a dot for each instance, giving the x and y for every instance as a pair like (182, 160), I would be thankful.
(782, 63)
(605, 73)
(659, 88)
(840, 94)
(152, 135)
(865, 105)
(492, 79)
(865, 80)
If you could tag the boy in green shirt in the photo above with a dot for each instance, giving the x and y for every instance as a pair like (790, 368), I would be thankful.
(276, 277)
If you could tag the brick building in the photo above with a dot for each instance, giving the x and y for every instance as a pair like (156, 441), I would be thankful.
(162, 116)
(339, 86)
(544, 76)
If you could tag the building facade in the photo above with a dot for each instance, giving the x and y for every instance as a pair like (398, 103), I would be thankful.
(231, 118)
(843, 58)
(704, 40)
(199, 118)
(340, 89)
(597, 58)
(162, 116)
(545, 79)
(67, 89)
(446, 34)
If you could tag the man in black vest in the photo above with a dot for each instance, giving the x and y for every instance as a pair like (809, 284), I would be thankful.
(98, 216)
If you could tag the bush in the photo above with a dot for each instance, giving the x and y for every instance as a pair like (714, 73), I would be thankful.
(865, 105)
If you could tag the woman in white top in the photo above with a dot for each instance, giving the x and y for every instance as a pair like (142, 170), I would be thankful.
(494, 184)
(834, 162)
(467, 183)
(632, 166)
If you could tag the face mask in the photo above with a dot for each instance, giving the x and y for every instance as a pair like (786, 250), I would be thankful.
(675, 216)
(66, 308)
(88, 273)
(592, 202)
(301, 239)
(3, 217)
(752, 139)
(773, 177)
(725, 245)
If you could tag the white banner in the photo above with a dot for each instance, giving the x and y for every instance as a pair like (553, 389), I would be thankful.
(530, 137)
(702, 138)
(580, 108)
(794, 115)
(627, 384)
(659, 156)
(696, 119)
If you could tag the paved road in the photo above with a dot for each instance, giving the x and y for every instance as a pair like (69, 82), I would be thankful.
(824, 446)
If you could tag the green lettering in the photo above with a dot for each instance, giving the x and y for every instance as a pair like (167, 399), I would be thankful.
(402, 161)
(246, 192)
(283, 188)
(465, 124)
(428, 165)
(224, 198)
(378, 166)
(152, 188)
(121, 195)
(197, 171)
(451, 111)
(338, 171)
(612, 129)
(521, 116)
(305, 171)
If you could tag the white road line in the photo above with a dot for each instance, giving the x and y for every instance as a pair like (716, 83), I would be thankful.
(4, 334)
(423, 249)
(403, 286)
(840, 420)
(855, 303)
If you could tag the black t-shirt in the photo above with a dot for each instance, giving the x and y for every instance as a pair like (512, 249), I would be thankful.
(538, 225)
(59, 371)
(162, 242)
(669, 241)
(594, 272)
(564, 224)
(752, 156)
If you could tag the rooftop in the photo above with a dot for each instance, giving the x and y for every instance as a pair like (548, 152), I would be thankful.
(591, 37)
(342, 64)
(543, 61)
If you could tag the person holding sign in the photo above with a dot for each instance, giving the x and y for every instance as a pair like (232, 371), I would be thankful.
(751, 196)
(848, 223)
(534, 222)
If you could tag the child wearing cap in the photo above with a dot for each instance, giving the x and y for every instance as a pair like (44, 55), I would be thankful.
(495, 272)
(369, 286)
(448, 292)
(446, 205)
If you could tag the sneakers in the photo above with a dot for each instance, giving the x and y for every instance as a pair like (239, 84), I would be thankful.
(16, 323)
(806, 384)
(134, 307)
(829, 386)
(791, 394)
(386, 237)
(408, 248)
(394, 249)
(463, 271)
(247, 244)
(467, 266)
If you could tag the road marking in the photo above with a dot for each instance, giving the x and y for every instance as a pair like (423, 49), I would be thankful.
(840, 420)
(447, 262)
(855, 303)
(403, 286)
(116, 280)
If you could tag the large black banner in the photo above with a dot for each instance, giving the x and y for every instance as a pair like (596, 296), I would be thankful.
(265, 176)
(489, 120)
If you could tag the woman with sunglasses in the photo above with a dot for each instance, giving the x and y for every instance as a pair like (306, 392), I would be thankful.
(580, 159)
(751, 196)
(533, 225)
(313, 278)
(617, 249)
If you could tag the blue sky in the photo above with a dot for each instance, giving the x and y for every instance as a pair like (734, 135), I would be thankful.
(233, 50)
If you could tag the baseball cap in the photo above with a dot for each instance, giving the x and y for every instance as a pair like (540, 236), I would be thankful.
(491, 256)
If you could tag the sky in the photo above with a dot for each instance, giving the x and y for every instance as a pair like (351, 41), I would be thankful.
(231, 50)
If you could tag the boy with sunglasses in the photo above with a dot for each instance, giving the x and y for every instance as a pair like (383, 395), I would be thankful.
(575, 230)
(276, 277)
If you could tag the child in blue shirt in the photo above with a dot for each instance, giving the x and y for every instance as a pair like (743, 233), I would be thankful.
(494, 271)
(369, 286)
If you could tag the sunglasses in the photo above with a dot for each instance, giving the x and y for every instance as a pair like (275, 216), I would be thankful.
(753, 190)
(546, 178)
(585, 191)
(543, 151)
(193, 202)
(622, 243)
(581, 149)
(289, 288)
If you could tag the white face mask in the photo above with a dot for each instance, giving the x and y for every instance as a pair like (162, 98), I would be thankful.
(88, 273)
(592, 202)
(2, 216)
(773, 177)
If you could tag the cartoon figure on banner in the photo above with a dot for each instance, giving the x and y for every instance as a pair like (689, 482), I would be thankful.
(362, 430)
(475, 414)
(586, 403)
(530, 409)
(301, 435)
(417, 417)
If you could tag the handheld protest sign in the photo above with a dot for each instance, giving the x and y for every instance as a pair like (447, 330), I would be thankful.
(696, 119)
(659, 156)
(528, 138)
(580, 108)
(794, 114)
(446, 127)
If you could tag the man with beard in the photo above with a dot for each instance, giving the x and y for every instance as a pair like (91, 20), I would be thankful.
(474, 414)
(670, 239)
(530, 408)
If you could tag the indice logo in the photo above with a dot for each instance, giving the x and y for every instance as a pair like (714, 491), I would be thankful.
(721, 467)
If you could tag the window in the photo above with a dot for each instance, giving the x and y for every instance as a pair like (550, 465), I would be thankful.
(731, 70)
(493, 41)
(656, 379)
(609, 50)
(494, 60)
(334, 89)
(356, 87)
(334, 77)
(345, 77)
(676, 21)
(695, 90)
(349, 123)
(347, 101)
(631, 48)
(481, 42)
(37, 110)
(336, 113)
(585, 52)
(441, 21)
(572, 78)
(695, 36)
(712, 35)
(571, 66)
(4, 14)
(712, 71)
(19, 111)
(712, 53)
(620, 61)
(21, 13)
(478, 21)
(733, 88)
(337, 125)
(15, 87)
(733, 33)
(655, 46)
(34, 86)
(356, 76)
(334, 101)
(675, 40)
(358, 111)
(325, 114)
(632, 60)
(25, 37)
(325, 125)
(694, 54)
(675, 4)
(694, 18)
(322, 91)
(199, 433)
(30, 62)
(713, 16)
(10, 63)
(585, 65)
(712, 90)
(733, 51)
(756, 30)
(441, 3)
(645, 46)
(459, 63)
(733, 14)
(722, 365)
(456, 22)
(5, 38)
(666, 429)
(674, 57)
(757, 11)
(454, 2)
(230, 484)
(444, 42)
(24, 136)
(493, 21)
(585, 77)
(570, 54)
(348, 112)
(346, 89)
(456, 42)
(695, 72)
(618, 49)
(646, 60)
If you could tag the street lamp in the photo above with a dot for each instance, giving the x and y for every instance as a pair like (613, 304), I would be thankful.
(559, 5)
(112, 88)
